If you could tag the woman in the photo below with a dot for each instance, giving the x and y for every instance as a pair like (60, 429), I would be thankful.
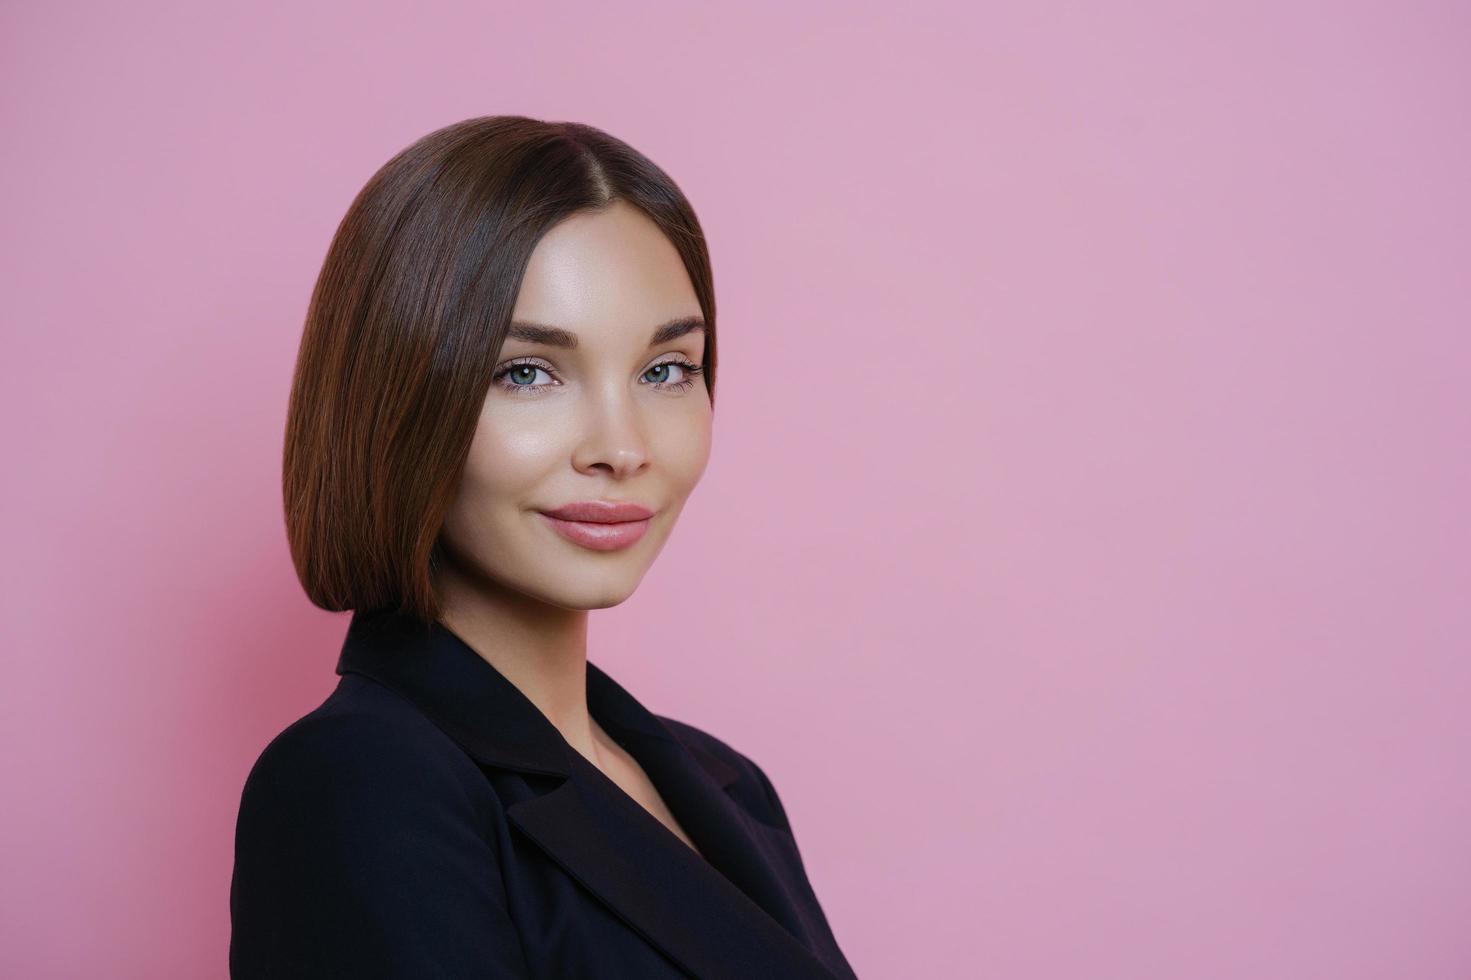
(502, 401)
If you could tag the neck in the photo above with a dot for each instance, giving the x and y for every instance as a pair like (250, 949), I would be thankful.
(539, 648)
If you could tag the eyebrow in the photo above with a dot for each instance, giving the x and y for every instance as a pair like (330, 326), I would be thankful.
(549, 336)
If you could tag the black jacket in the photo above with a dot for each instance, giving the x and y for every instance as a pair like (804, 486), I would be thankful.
(428, 821)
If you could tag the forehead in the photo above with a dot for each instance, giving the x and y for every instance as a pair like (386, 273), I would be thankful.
(609, 274)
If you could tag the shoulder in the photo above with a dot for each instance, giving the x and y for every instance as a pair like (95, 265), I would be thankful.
(700, 738)
(362, 841)
(760, 795)
(365, 744)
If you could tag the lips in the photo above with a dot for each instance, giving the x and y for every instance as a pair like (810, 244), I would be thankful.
(599, 525)
(600, 512)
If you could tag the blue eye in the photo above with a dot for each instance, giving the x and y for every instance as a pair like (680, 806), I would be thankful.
(521, 371)
(690, 372)
(522, 376)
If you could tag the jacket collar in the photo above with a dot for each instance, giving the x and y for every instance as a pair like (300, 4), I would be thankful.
(729, 916)
(481, 709)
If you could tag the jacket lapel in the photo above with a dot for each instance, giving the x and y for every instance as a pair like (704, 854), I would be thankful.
(723, 918)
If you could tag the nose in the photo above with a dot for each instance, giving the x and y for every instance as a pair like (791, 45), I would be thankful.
(614, 442)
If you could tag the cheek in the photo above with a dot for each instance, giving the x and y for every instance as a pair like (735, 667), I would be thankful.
(505, 463)
(683, 447)
(503, 470)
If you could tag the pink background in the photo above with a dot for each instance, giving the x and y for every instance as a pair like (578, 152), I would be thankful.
(1085, 551)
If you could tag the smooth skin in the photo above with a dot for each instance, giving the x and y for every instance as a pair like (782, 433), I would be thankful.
(603, 421)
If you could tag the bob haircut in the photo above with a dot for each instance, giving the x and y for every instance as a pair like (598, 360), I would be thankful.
(404, 328)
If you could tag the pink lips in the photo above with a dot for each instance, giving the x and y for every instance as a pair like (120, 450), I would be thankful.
(601, 525)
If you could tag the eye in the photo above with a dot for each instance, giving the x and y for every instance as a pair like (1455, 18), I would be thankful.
(519, 377)
(522, 375)
(689, 368)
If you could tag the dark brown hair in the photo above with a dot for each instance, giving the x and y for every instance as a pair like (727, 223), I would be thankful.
(404, 328)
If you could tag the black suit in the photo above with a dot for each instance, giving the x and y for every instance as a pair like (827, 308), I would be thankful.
(428, 821)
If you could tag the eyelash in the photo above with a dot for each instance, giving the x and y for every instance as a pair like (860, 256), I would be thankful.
(691, 370)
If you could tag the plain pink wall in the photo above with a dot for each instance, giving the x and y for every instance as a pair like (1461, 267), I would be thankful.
(1085, 551)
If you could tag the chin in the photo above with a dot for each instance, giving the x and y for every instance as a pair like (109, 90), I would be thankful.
(583, 589)
(587, 600)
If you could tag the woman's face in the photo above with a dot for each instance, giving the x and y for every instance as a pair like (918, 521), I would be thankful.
(613, 418)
